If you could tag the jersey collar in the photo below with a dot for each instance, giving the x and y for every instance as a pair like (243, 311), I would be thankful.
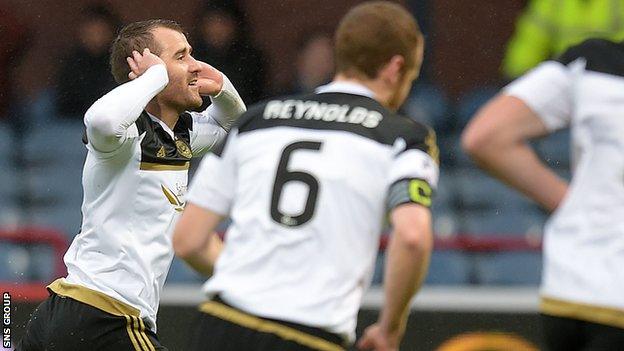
(162, 124)
(346, 87)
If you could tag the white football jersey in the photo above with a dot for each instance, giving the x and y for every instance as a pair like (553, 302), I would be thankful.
(307, 181)
(134, 194)
(584, 239)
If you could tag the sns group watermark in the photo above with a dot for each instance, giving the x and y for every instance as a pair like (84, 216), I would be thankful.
(6, 320)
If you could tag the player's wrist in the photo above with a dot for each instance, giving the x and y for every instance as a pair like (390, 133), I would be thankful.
(391, 326)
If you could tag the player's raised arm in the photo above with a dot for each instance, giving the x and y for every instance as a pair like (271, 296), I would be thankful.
(109, 117)
(211, 126)
(496, 138)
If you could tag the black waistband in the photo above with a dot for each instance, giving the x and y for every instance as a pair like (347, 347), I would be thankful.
(318, 332)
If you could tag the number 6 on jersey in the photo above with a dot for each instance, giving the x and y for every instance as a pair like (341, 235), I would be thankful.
(284, 176)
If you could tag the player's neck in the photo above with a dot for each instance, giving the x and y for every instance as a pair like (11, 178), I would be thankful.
(166, 114)
(381, 92)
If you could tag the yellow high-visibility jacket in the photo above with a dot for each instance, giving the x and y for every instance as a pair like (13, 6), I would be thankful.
(547, 27)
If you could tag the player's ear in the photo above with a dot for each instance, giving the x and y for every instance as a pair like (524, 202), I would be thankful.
(392, 72)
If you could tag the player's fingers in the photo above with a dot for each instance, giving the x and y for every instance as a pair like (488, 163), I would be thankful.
(365, 343)
(132, 76)
(206, 66)
(209, 71)
(146, 52)
(133, 64)
(137, 57)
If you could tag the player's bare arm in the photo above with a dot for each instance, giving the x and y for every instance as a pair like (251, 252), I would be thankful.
(497, 140)
(194, 239)
(406, 268)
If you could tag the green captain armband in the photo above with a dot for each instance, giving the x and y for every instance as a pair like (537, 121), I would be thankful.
(413, 190)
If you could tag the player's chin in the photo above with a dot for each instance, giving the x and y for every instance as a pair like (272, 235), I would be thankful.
(195, 100)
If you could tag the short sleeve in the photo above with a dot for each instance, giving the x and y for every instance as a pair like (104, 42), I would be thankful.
(214, 183)
(414, 172)
(547, 90)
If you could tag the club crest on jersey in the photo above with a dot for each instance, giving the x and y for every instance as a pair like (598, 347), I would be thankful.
(183, 149)
(161, 152)
(173, 198)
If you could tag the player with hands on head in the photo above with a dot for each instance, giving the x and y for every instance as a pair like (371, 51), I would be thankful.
(140, 138)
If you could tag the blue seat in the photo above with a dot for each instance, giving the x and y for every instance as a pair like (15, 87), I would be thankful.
(429, 105)
(445, 193)
(14, 262)
(10, 190)
(62, 217)
(564, 173)
(476, 189)
(445, 222)
(555, 149)
(9, 180)
(57, 182)
(451, 152)
(42, 263)
(6, 138)
(472, 101)
(57, 142)
(509, 268)
(378, 273)
(449, 268)
(182, 273)
(502, 222)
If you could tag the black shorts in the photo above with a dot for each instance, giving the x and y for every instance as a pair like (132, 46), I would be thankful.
(64, 324)
(224, 328)
(567, 334)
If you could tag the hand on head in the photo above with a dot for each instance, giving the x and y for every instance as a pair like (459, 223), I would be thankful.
(139, 63)
(209, 79)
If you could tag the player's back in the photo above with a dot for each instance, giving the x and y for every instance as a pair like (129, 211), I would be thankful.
(584, 239)
(311, 176)
(587, 228)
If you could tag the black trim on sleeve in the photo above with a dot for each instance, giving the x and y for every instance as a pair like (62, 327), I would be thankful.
(601, 55)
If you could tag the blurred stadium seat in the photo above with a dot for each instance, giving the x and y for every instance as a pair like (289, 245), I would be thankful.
(477, 190)
(14, 262)
(507, 222)
(470, 102)
(180, 272)
(428, 104)
(509, 268)
(65, 217)
(451, 153)
(25, 263)
(54, 161)
(57, 141)
(449, 268)
(555, 149)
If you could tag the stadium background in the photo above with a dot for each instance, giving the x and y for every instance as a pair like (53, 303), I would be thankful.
(485, 270)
